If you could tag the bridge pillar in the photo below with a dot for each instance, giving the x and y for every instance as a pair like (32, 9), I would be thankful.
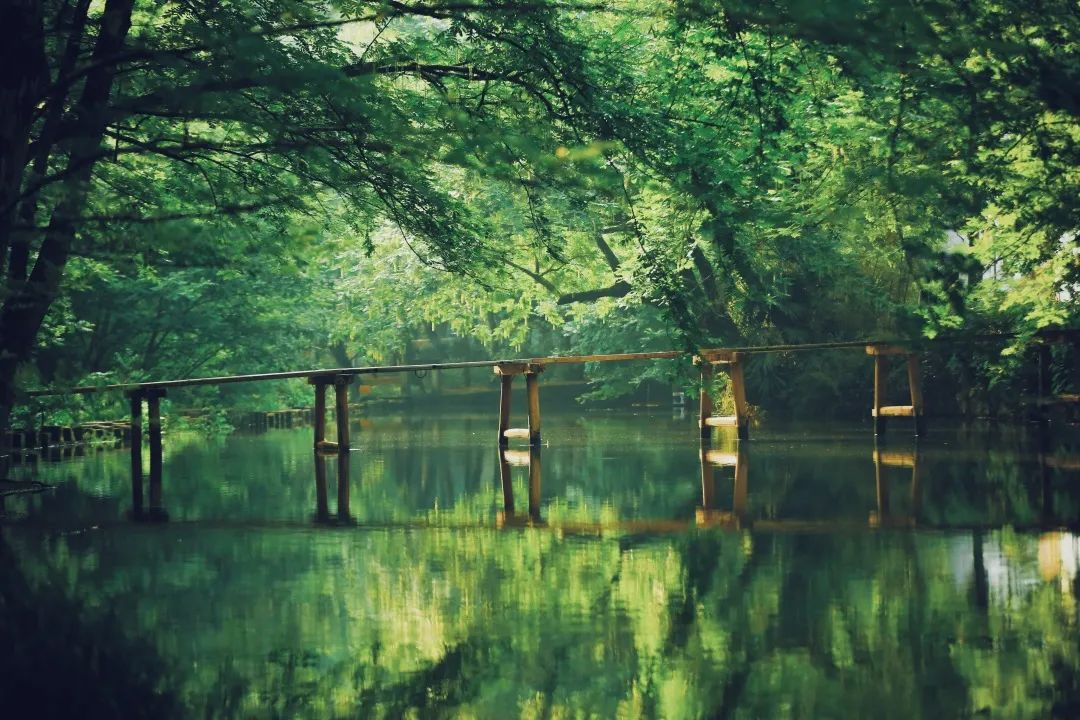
(318, 420)
(506, 388)
(506, 372)
(705, 407)
(732, 362)
(881, 412)
(341, 411)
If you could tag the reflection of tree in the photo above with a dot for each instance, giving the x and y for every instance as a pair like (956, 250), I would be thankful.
(330, 622)
(703, 624)
(60, 660)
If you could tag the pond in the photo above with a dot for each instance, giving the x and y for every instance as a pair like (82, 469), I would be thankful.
(623, 571)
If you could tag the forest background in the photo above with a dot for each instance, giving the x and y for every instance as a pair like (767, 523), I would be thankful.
(205, 187)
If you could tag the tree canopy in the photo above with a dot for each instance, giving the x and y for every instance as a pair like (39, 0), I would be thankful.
(199, 186)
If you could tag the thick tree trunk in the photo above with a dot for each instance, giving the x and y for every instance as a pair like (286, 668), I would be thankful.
(22, 85)
(24, 309)
(53, 113)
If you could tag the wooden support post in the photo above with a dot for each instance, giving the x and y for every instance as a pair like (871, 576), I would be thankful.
(881, 411)
(532, 389)
(506, 372)
(738, 387)
(706, 404)
(741, 419)
(915, 385)
(153, 406)
(880, 373)
(136, 454)
(341, 411)
(506, 386)
(319, 419)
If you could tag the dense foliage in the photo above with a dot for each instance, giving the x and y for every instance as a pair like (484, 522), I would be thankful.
(198, 187)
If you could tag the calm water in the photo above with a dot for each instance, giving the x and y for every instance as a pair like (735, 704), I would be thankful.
(617, 576)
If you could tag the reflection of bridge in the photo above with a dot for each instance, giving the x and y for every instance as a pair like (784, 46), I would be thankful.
(738, 517)
(887, 465)
(709, 515)
(716, 466)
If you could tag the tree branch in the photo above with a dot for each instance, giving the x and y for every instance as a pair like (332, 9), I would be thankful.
(619, 289)
(540, 279)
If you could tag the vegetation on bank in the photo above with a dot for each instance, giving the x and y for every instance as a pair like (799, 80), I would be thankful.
(193, 188)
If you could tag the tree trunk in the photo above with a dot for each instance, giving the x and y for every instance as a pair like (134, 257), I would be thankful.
(22, 86)
(53, 113)
(24, 309)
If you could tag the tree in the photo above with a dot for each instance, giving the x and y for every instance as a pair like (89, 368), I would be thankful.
(214, 110)
(717, 172)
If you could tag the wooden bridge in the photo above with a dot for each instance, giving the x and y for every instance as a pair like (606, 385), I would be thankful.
(710, 361)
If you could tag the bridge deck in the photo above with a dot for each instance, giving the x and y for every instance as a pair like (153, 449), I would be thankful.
(550, 360)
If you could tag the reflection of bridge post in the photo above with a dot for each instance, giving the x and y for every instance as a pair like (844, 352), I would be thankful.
(521, 458)
(881, 485)
(156, 510)
(708, 480)
(135, 397)
(507, 482)
(534, 482)
(322, 502)
(153, 406)
(343, 477)
(1049, 461)
(742, 485)
(883, 516)
(322, 496)
(709, 514)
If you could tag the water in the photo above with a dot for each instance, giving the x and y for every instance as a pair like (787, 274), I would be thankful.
(808, 581)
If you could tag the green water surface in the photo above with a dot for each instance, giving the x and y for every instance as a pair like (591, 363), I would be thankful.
(817, 580)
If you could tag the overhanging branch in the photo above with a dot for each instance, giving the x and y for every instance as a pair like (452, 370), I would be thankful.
(619, 289)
